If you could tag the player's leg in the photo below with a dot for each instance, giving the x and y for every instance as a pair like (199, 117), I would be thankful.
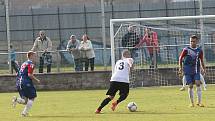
(28, 106)
(111, 93)
(203, 82)
(19, 100)
(104, 103)
(190, 80)
(30, 93)
(198, 90)
(191, 95)
(183, 84)
(22, 100)
(123, 92)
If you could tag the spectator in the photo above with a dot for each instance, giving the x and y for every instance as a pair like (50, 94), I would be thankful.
(44, 44)
(151, 40)
(14, 63)
(87, 52)
(73, 48)
(130, 40)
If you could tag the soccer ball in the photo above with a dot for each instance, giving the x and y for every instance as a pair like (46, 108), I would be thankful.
(132, 106)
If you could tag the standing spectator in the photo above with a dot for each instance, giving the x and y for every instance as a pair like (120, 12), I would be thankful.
(87, 52)
(129, 40)
(44, 44)
(151, 39)
(14, 63)
(73, 48)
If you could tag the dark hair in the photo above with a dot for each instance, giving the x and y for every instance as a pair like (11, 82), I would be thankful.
(86, 36)
(194, 37)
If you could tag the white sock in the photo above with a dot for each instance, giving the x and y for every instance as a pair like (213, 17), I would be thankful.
(190, 93)
(184, 81)
(199, 94)
(20, 100)
(203, 81)
(28, 106)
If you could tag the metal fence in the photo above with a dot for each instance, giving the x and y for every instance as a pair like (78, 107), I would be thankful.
(62, 61)
(60, 22)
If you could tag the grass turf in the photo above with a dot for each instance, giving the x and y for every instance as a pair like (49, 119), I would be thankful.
(154, 104)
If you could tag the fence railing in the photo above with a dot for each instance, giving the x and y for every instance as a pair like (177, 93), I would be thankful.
(63, 60)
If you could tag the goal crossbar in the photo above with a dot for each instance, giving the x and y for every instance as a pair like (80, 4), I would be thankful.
(161, 18)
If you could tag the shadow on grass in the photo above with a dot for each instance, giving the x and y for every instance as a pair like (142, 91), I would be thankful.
(60, 116)
(158, 113)
(210, 107)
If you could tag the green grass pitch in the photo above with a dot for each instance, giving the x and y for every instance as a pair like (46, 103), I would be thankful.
(154, 104)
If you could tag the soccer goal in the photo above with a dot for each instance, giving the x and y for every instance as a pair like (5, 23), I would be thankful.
(155, 45)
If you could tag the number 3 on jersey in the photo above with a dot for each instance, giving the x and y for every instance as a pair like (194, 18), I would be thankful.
(121, 66)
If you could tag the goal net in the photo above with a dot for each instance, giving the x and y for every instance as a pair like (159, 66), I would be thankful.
(156, 43)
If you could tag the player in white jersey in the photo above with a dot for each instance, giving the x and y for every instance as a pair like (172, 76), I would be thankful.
(184, 82)
(119, 81)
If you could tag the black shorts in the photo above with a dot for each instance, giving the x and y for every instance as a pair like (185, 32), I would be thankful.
(115, 86)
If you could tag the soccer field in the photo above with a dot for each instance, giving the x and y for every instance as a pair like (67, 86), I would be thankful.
(154, 104)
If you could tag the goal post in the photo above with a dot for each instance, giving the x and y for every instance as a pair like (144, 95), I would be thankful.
(173, 34)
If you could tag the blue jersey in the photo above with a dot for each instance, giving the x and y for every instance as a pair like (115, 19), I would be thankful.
(24, 83)
(191, 60)
(26, 68)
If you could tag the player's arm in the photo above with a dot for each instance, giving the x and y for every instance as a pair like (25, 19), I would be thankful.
(30, 73)
(183, 53)
(130, 63)
(202, 62)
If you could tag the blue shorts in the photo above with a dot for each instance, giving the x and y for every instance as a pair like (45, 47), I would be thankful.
(21, 93)
(27, 91)
(191, 78)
